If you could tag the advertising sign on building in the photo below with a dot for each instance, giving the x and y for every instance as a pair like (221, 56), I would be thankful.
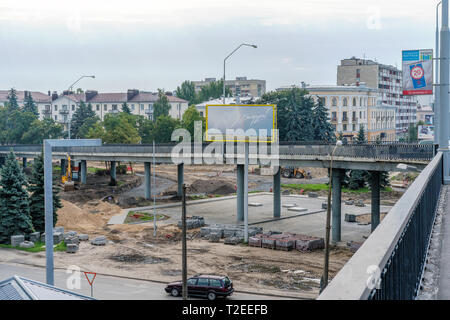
(417, 72)
(251, 123)
(425, 132)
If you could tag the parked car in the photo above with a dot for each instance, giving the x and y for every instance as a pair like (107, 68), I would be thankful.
(208, 286)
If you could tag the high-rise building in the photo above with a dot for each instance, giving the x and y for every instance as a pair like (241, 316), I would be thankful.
(241, 86)
(388, 81)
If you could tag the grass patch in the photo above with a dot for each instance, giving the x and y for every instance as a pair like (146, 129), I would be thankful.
(92, 170)
(320, 187)
(136, 216)
(38, 247)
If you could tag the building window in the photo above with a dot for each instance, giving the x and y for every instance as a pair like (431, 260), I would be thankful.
(132, 107)
(345, 103)
(334, 102)
(345, 127)
(344, 116)
(56, 108)
(333, 116)
(105, 107)
(142, 107)
(114, 106)
(73, 107)
(354, 102)
(98, 107)
(56, 118)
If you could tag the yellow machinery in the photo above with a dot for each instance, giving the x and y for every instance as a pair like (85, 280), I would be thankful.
(67, 178)
(295, 173)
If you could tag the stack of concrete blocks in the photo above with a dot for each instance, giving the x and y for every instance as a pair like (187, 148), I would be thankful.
(35, 237)
(324, 205)
(350, 217)
(233, 240)
(226, 231)
(58, 235)
(99, 241)
(285, 244)
(360, 203)
(313, 195)
(192, 223)
(26, 244)
(349, 202)
(307, 243)
(83, 237)
(214, 237)
(17, 240)
(71, 238)
(354, 246)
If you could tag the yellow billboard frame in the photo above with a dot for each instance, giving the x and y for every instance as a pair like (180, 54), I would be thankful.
(274, 123)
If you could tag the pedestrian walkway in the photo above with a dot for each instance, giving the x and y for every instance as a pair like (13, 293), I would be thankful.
(444, 265)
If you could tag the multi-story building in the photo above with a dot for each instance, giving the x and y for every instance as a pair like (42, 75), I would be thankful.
(425, 114)
(62, 107)
(388, 81)
(350, 107)
(242, 86)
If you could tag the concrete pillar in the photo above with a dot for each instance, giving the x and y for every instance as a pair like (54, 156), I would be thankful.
(63, 167)
(180, 178)
(148, 179)
(113, 174)
(375, 211)
(24, 162)
(83, 169)
(277, 194)
(336, 206)
(240, 192)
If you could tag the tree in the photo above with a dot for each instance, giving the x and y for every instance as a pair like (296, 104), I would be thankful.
(294, 114)
(190, 116)
(87, 125)
(15, 216)
(323, 130)
(144, 127)
(30, 106)
(116, 128)
(187, 92)
(40, 130)
(384, 175)
(37, 198)
(212, 90)
(162, 106)
(14, 124)
(80, 116)
(164, 126)
(126, 108)
(12, 100)
(358, 178)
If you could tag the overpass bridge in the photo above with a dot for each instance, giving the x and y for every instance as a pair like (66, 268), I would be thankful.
(371, 157)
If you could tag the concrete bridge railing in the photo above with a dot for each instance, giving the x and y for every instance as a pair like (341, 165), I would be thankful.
(389, 265)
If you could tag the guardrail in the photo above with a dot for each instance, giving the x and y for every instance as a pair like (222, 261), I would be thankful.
(389, 265)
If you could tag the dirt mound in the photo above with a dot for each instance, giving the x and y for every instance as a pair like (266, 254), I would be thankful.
(217, 186)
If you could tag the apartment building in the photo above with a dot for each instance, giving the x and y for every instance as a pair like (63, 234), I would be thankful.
(241, 86)
(388, 81)
(43, 101)
(350, 107)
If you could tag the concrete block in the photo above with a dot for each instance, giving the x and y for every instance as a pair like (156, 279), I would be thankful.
(27, 244)
(17, 240)
(289, 205)
(350, 217)
(297, 209)
(214, 237)
(232, 241)
(72, 248)
(83, 237)
(35, 236)
(205, 231)
(255, 204)
(360, 203)
(349, 202)
(99, 241)
(313, 194)
(72, 240)
(324, 205)
(58, 229)
(57, 237)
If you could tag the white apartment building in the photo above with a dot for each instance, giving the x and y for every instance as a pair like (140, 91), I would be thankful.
(43, 101)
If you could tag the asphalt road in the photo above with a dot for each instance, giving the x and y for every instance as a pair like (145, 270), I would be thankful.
(108, 287)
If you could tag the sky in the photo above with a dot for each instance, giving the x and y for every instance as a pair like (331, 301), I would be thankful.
(151, 44)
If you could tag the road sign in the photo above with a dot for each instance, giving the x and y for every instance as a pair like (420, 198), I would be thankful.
(90, 276)
(417, 72)
(241, 123)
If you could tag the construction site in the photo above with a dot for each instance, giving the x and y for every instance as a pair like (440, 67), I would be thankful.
(121, 214)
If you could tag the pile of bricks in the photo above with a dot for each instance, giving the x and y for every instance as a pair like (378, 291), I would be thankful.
(234, 234)
(192, 222)
(286, 242)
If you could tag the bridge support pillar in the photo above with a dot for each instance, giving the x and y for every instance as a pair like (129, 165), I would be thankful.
(83, 171)
(113, 174)
(148, 183)
(375, 211)
(240, 192)
(180, 179)
(63, 167)
(277, 193)
(336, 205)
(24, 162)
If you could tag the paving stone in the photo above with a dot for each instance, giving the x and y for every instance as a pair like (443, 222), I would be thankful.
(99, 241)
(214, 237)
(313, 194)
(57, 237)
(72, 248)
(324, 205)
(27, 244)
(350, 217)
(35, 236)
(289, 205)
(83, 237)
(17, 240)
(72, 240)
(297, 209)
(58, 229)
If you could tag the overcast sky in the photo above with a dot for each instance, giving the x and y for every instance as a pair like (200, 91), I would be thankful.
(150, 44)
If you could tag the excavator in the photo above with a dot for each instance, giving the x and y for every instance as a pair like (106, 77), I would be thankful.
(68, 184)
(297, 173)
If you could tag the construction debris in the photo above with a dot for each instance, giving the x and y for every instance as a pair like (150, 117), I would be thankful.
(17, 240)
(99, 241)
(192, 222)
(35, 236)
(72, 248)
(26, 244)
(287, 242)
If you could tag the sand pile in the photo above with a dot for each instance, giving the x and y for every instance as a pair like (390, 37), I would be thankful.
(216, 186)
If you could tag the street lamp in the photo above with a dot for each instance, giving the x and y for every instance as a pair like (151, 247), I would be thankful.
(324, 280)
(437, 87)
(224, 60)
(70, 90)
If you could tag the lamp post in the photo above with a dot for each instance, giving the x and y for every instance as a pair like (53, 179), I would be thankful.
(224, 60)
(324, 280)
(70, 89)
(444, 100)
(437, 88)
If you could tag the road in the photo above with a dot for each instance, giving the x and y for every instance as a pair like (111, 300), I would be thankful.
(109, 287)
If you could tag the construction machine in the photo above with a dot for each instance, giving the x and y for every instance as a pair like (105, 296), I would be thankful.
(297, 173)
(67, 178)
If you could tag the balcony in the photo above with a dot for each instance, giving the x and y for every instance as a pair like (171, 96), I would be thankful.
(148, 111)
(345, 119)
(113, 111)
(64, 111)
(47, 111)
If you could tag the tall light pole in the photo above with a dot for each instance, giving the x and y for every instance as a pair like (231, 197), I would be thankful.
(444, 90)
(224, 60)
(324, 280)
(437, 87)
(70, 89)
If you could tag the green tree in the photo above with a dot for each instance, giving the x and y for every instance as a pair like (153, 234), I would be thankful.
(87, 125)
(323, 130)
(14, 124)
(30, 106)
(358, 178)
(190, 116)
(126, 108)
(12, 100)
(15, 216)
(37, 197)
(294, 114)
(212, 90)
(40, 130)
(162, 106)
(116, 128)
(164, 126)
(187, 92)
(80, 116)
(144, 127)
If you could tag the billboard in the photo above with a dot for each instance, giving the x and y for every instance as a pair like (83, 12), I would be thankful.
(425, 132)
(241, 123)
(417, 72)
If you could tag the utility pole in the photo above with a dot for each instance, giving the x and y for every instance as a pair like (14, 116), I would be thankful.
(183, 248)
(444, 91)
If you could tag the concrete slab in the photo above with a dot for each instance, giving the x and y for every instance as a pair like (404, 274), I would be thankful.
(255, 204)
(118, 219)
(297, 209)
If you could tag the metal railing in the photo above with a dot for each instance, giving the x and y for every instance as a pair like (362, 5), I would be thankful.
(389, 265)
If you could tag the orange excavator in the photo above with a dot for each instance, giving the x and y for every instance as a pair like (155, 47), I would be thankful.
(68, 184)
